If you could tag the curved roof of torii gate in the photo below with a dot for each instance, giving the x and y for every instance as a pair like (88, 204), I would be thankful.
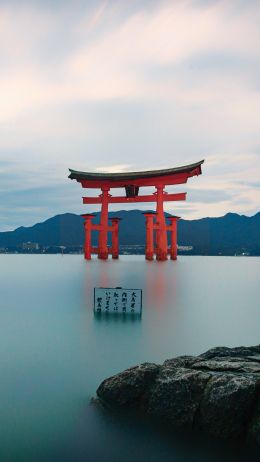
(187, 170)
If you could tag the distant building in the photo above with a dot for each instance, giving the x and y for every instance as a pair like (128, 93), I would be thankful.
(30, 246)
(185, 248)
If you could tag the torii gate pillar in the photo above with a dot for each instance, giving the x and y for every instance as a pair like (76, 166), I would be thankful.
(88, 229)
(149, 248)
(161, 233)
(173, 230)
(115, 242)
(102, 240)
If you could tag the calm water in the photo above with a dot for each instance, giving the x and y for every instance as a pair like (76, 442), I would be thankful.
(54, 352)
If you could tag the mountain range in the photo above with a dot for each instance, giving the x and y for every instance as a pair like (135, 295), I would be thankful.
(227, 235)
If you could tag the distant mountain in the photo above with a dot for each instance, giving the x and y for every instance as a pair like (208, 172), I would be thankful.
(225, 235)
(66, 229)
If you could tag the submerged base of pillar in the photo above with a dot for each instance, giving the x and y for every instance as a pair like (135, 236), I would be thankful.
(162, 257)
(103, 256)
(115, 257)
(149, 257)
(173, 257)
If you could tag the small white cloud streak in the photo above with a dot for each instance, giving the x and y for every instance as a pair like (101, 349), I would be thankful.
(119, 168)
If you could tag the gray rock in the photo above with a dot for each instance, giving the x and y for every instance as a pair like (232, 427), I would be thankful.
(232, 352)
(253, 434)
(181, 361)
(176, 394)
(126, 388)
(217, 392)
(226, 406)
(228, 365)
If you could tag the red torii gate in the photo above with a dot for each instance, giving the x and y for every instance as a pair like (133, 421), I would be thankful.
(155, 222)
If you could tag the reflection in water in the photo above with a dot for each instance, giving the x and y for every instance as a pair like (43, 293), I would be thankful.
(109, 318)
(156, 284)
(158, 281)
(105, 270)
(99, 273)
(88, 281)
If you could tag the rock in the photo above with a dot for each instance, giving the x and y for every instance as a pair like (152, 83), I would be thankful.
(217, 392)
(226, 405)
(228, 365)
(181, 361)
(126, 388)
(232, 352)
(175, 395)
(253, 435)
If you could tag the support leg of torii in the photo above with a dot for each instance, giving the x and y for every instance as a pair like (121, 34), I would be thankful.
(115, 242)
(173, 230)
(88, 229)
(161, 233)
(149, 248)
(102, 239)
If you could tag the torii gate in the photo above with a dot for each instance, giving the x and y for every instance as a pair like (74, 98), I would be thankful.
(155, 222)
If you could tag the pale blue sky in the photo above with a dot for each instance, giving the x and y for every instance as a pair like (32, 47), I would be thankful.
(128, 86)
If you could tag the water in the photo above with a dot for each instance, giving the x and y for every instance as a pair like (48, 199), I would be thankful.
(54, 352)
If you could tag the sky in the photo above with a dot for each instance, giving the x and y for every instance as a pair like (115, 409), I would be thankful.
(130, 85)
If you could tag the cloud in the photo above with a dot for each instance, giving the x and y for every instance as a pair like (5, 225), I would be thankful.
(129, 85)
(115, 63)
(114, 168)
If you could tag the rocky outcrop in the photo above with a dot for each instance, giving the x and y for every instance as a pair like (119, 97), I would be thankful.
(217, 392)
